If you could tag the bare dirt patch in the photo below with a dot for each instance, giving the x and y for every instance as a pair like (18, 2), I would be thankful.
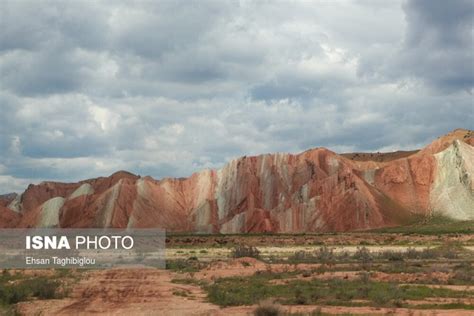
(119, 292)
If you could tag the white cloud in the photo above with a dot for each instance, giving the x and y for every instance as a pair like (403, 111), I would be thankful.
(12, 184)
(104, 117)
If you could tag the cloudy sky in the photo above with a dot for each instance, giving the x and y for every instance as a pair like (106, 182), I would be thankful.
(166, 88)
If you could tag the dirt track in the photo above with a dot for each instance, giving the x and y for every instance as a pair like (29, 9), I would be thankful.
(119, 292)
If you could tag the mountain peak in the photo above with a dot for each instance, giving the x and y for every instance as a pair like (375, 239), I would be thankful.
(443, 142)
(314, 191)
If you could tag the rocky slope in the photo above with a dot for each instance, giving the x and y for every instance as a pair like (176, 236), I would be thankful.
(314, 191)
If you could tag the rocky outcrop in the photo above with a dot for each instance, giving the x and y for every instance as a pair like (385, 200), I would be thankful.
(8, 218)
(314, 191)
(452, 191)
(5, 199)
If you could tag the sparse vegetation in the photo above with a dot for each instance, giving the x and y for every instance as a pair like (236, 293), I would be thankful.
(181, 265)
(17, 288)
(250, 290)
(444, 306)
(365, 257)
(433, 225)
(182, 293)
(323, 270)
(412, 271)
(245, 251)
(463, 274)
(268, 308)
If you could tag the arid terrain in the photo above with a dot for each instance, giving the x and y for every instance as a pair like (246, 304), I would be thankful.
(425, 270)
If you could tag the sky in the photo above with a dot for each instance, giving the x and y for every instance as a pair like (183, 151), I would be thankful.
(167, 88)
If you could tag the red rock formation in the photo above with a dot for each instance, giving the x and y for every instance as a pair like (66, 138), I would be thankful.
(6, 199)
(317, 190)
(8, 218)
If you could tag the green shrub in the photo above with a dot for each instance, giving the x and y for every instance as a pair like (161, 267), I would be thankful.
(43, 288)
(12, 294)
(428, 253)
(323, 255)
(364, 256)
(182, 265)
(392, 255)
(40, 287)
(412, 253)
(464, 273)
(300, 256)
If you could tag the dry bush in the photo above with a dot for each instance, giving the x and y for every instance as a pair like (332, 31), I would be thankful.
(245, 251)
(267, 308)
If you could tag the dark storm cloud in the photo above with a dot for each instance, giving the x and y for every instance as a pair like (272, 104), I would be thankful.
(32, 74)
(32, 25)
(445, 23)
(150, 29)
(167, 88)
(439, 43)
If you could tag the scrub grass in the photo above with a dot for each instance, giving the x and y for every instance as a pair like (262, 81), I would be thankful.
(235, 291)
(16, 288)
(434, 225)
